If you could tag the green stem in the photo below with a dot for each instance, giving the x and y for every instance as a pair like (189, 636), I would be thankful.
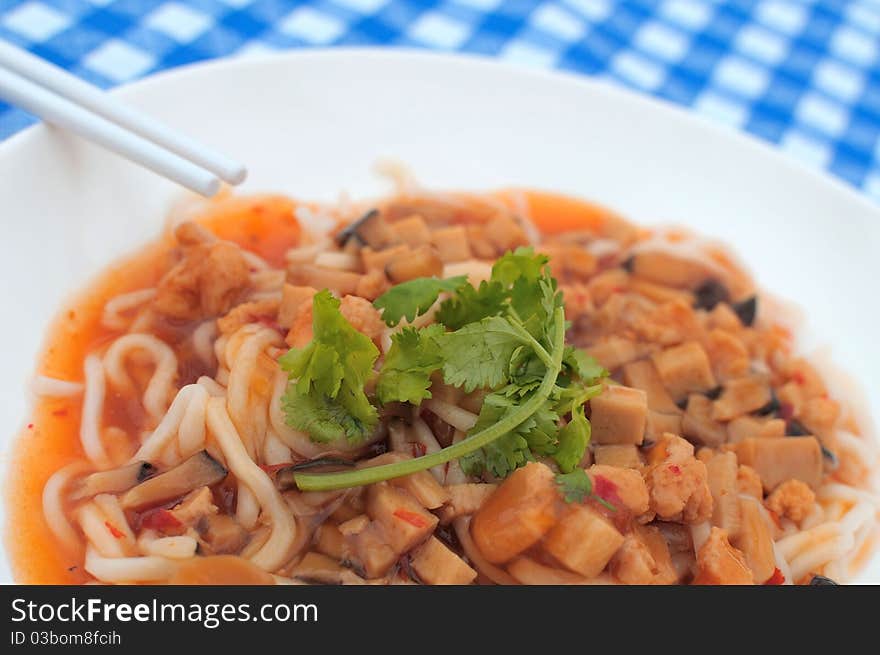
(524, 334)
(346, 479)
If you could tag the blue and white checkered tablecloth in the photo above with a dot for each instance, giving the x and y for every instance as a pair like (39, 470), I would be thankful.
(803, 75)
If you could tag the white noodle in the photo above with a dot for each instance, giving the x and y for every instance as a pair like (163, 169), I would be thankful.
(112, 510)
(792, 546)
(423, 435)
(93, 407)
(210, 385)
(247, 508)
(274, 450)
(171, 424)
(456, 416)
(276, 550)
(249, 414)
(112, 316)
(182, 547)
(46, 387)
(53, 504)
(128, 569)
(203, 342)
(95, 526)
(161, 385)
(813, 558)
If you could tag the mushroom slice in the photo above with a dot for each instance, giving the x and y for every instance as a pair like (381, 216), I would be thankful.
(113, 481)
(200, 470)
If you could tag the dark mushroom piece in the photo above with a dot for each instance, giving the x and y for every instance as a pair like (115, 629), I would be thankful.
(713, 394)
(369, 230)
(821, 580)
(200, 470)
(113, 481)
(746, 310)
(773, 405)
(795, 429)
(709, 294)
(285, 479)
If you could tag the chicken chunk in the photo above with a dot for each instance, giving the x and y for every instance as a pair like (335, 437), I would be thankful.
(792, 499)
(644, 559)
(748, 482)
(677, 483)
(207, 282)
(720, 563)
(628, 485)
(248, 312)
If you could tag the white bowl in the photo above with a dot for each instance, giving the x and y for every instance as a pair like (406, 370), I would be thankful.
(313, 123)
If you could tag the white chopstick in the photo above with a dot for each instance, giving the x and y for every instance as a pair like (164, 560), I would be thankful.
(64, 100)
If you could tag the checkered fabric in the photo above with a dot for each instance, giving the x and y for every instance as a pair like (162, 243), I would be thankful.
(803, 75)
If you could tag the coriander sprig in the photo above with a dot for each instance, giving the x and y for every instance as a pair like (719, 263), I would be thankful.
(343, 480)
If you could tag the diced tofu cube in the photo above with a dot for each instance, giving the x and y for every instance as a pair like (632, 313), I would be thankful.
(741, 396)
(660, 423)
(517, 514)
(330, 541)
(341, 282)
(422, 262)
(613, 352)
(728, 355)
(684, 369)
(294, 300)
(786, 458)
(506, 233)
(698, 424)
(672, 270)
(424, 487)
(372, 550)
(721, 475)
(434, 563)
(465, 499)
(376, 260)
(606, 284)
(583, 541)
(755, 541)
(619, 415)
(413, 231)
(743, 427)
(643, 375)
(620, 455)
(406, 522)
(452, 244)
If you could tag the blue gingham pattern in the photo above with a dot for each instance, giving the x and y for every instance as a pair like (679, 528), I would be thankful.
(803, 75)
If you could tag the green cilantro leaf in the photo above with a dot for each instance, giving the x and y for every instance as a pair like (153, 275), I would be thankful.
(471, 304)
(503, 455)
(523, 263)
(478, 355)
(583, 365)
(325, 397)
(573, 441)
(576, 486)
(406, 373)
(414, 297)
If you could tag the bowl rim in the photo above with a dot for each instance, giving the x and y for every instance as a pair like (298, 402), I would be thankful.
(734, 136)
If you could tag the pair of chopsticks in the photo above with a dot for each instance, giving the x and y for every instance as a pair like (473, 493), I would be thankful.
(61, 99)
